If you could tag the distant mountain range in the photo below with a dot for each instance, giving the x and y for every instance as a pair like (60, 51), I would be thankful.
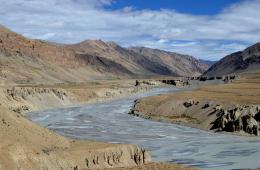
(25, 60)
(239, 62)
(207, 62)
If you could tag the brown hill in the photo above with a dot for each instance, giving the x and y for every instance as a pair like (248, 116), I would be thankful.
(25, 60)
(239, 62)
(182, 65)
(143, 61)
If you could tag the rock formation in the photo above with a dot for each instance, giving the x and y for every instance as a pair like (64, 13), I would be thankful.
(240, 118)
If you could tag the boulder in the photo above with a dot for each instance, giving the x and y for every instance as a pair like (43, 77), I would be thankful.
(190, 103)
(257, 116)
(218, 108)
(239, 124)
(250, 125)
(238, 118)
(205, 106)
(236, 115)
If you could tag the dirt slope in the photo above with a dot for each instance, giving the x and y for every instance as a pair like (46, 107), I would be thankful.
(27, 146)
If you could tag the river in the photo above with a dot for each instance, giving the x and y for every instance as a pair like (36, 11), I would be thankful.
(109, 122)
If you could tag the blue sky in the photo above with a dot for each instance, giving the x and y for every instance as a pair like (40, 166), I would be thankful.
(206, 29)
(194, 7)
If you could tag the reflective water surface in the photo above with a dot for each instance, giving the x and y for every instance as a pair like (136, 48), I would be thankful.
(109, 122)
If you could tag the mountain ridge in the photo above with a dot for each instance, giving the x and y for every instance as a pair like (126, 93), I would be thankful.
(236, 63)
(24, 60)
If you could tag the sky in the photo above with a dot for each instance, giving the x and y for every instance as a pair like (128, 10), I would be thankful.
(206, 29)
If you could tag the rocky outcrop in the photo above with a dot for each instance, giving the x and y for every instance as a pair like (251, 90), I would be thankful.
(190, 103)
(203, 114)
(224, 78)
(188, 81)
(25, 99)
(19, 93)
(178, 82)
(240, 118)
(147, 83)
(134, 156)
(121, 156)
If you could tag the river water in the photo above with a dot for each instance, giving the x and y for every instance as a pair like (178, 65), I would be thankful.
(109, 122)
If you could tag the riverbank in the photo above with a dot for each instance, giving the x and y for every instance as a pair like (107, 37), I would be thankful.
(29, 146)
(27, 98)
(233, 107)
(158, 166)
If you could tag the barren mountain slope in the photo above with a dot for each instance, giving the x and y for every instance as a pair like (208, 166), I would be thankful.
(242, 61)
(33, 61)
(144, 61)
(183, 65)
(24, 60)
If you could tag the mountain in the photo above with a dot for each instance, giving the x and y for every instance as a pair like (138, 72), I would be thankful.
(182, 65)
(239, 62)
(207, 62)
(144, 61)
(25, 60)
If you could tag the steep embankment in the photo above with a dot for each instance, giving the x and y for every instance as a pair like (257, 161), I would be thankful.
(239, 62)
(25, 145)
(26, 61)
(231, 107)
(160, 166)
(26, 98)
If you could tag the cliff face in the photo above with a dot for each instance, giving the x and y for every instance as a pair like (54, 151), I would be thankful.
(26, 61)
(239, 62)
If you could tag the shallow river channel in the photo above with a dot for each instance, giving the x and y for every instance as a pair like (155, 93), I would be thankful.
(109, 122)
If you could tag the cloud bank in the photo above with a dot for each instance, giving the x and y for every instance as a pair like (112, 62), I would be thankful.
(72, 21)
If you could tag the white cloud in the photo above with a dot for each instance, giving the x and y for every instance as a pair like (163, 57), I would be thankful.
(183, 44)
(46, 36)
(71, 21)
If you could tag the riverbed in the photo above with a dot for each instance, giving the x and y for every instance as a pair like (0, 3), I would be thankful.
(110, 122)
